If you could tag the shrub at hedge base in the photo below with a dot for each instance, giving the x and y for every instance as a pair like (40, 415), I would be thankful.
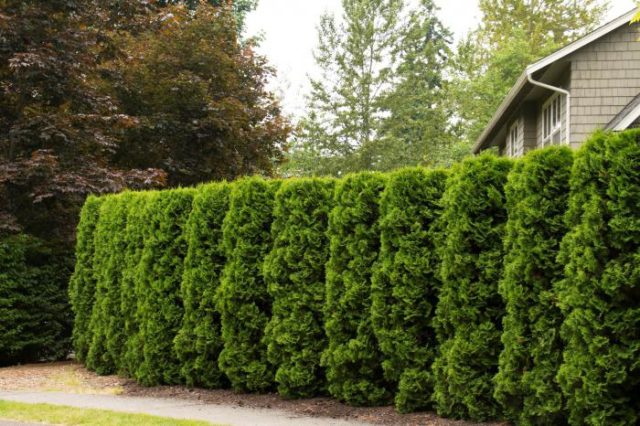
(600, 374)
(294, 271)
(106, 324)
(352, 359)
(469, 311)
(198, 344)
(243, 301)
(82, 285)
(537, 199)
(160, 306)
(406, 283)
(35, 319)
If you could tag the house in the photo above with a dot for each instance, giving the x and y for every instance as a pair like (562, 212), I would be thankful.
(592, 83)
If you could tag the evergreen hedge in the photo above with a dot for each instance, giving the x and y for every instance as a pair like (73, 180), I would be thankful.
(294, 272)
(106, 324)
(243, 300)
(35, 319)
(537, 199)
(230, 283)
(82, 285)
(600, 296)
(137, 228)
(469, 311)
(160, 307)
(406, 283)
(352, 359)
(198, 344)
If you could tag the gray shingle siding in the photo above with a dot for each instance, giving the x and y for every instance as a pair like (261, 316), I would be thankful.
(605, 77)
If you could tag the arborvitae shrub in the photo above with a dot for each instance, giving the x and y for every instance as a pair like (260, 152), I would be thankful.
(352, 359)
(105, 316)
(600, 295)
(198, 344)
(469, 311)
(537, 195)
(131, 288)
(82, 285)
(243, 301)
(295, 275)
(406, 282)
(160, 305)
(35, 319)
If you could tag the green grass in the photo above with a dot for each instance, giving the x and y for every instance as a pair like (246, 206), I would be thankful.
(70, 416)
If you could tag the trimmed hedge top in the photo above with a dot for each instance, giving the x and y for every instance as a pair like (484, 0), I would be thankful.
(472, 292)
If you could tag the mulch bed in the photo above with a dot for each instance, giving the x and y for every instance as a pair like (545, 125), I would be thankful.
(36, 377)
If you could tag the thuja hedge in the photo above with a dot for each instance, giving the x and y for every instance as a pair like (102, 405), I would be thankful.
(537, 199)
(294, 272)
(406, 282)
(469, 311)
(198, 343)
(353, 358)
(316, 286)
(242, 298)
(600, 293)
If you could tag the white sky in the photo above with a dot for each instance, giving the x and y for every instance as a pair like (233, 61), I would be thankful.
(289, 35)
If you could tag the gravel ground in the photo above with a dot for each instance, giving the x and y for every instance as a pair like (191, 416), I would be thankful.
(71, 378)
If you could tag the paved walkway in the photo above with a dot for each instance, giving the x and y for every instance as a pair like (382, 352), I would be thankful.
(176, 408)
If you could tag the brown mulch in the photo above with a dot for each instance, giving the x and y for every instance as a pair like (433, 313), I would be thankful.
(73, 377)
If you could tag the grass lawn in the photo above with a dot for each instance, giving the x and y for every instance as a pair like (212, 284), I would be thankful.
(71, 416)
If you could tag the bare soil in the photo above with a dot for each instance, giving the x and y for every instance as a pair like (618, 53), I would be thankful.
(71, 377)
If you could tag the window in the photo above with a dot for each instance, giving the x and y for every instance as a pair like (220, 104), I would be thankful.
(512, 140)
(552, 121)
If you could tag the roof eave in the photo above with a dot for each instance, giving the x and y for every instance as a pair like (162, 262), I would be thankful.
(481, 142)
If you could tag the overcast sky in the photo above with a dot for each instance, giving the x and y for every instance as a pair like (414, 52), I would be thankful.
(289, 31)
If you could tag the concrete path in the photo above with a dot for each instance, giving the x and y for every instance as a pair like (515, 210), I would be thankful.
(176, 408)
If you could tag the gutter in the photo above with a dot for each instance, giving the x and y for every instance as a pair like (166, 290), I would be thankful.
(558, 90)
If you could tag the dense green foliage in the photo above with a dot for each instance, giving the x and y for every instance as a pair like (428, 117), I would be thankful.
(469, 311)
(82, 285)
(599, 296)
(199, 341)
(323, 286)
(243, 300)
(160, 275)
(406, 283)
(294, 272)
(352, 359)
(131, 291)
(106, 326)
(35, 320)
(537, 198)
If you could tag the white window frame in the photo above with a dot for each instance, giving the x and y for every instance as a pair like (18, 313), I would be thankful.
(512, 139)
(552, 120)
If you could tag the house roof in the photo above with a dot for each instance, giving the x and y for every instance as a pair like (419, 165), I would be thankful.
(626, 117)
(515, 94)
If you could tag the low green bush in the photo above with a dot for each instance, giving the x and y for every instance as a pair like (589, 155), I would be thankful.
(469, 311)
(406, 283)
(537, 195)
(35, 319)
(199, 342)
(294, 272)
(243, 300)
(160, 307)
(600, 296)
(353, 359)
(82, 285)
(106, 324)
